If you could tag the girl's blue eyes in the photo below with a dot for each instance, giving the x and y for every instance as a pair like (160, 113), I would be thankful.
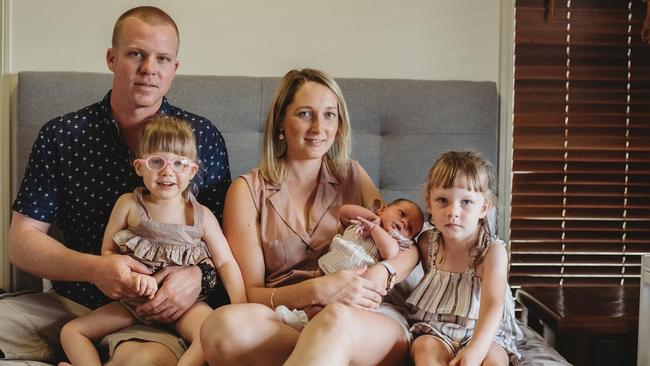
(462, 202)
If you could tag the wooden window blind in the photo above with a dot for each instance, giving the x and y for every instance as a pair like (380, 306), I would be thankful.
(580, 203)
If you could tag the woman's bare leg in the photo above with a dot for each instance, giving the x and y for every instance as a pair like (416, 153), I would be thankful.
(338, 332)
(246, 334)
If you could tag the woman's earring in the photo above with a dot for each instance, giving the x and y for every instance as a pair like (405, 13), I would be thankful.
(281, 135)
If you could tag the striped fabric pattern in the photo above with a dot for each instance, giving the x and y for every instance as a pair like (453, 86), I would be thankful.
(348, 251)
(446, 304)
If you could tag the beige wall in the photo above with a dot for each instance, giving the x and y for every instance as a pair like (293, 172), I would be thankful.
(415, 39)
(418, 39)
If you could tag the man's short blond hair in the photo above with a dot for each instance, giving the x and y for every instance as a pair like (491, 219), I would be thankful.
(148, 14)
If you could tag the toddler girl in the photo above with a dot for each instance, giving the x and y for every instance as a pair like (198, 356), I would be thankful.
(462, 311)
(160, 224)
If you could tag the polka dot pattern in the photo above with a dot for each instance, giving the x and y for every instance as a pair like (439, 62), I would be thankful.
(79, 166)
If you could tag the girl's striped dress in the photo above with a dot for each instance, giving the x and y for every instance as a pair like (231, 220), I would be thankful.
(446, 305)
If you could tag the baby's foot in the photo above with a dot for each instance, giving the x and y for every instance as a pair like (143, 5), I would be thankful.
(296, 319)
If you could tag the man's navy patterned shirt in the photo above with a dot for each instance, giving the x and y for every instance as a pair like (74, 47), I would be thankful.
(79, 166)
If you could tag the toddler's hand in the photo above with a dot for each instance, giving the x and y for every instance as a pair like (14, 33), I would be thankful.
(144, 285)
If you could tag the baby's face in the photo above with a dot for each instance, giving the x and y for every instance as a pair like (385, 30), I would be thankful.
(402, 216)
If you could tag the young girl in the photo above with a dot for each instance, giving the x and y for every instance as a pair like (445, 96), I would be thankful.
(160, 224)
(369, 238)
(462, 310)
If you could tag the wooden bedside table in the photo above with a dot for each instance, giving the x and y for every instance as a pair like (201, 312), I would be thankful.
(589, 326)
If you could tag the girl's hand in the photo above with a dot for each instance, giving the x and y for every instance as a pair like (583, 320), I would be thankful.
(144, 285)
(350, 288)
(365, 225)
(467, 356)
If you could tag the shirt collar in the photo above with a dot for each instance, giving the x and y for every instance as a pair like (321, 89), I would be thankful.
(325, 176)
(165, 108)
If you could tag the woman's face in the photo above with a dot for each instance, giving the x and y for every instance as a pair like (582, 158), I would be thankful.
(311, 122)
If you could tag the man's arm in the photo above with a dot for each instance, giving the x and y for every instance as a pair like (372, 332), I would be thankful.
(32, 250)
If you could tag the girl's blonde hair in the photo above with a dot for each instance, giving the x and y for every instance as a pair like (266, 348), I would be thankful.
(468, 170)
(273, 163)
(162, 133)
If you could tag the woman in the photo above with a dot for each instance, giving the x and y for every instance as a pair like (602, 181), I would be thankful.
(279, 219)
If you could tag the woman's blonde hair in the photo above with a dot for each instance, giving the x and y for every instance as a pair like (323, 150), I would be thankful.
(162, 133)
(469, 170)
(274, 149)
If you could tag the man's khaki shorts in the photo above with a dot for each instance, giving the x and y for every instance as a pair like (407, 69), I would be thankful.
(30, 324)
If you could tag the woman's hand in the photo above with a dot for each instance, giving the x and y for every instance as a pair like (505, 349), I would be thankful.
(378, 275)
(350, 288)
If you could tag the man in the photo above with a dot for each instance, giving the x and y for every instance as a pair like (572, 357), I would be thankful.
(79, 166)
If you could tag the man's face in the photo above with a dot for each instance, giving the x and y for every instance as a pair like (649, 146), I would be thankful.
(143, 63)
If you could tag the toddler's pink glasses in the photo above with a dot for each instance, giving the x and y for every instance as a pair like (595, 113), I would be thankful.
(158, 163)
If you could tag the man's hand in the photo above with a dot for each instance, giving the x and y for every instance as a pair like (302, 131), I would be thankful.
(113, 276)
(179, 289)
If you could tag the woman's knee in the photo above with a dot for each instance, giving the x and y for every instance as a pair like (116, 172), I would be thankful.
(219, 330)
(334, 317)
(230, 330)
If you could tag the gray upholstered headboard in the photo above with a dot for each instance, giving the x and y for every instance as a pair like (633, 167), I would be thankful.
(399, 126)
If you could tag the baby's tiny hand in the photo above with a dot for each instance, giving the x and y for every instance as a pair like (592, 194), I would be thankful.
(365, 226)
